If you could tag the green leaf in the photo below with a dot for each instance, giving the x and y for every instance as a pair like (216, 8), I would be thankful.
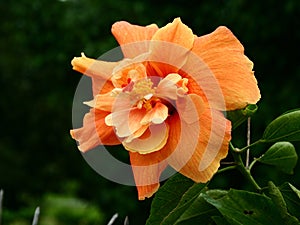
(284, 128)
(177, 202)
(276, 196)
(245, 208)
(219, 220)
(237, 117)
(291, 196)
(198, 212)
(282, 155)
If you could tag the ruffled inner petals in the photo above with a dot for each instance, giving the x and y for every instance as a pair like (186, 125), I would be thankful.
(158, 114)
(152, 140)
(126, 121)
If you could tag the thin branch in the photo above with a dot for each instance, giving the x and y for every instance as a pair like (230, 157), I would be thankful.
(1, 202)
(126, 221)
(36, 216)
(112, 220)
(248, 141)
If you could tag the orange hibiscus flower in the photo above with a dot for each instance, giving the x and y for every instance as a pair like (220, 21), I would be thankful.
(164, 101)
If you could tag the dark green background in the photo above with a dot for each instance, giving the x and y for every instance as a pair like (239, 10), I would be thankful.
(38, 40)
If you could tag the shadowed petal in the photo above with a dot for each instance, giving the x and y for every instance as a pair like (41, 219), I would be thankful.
(147, 170)
(224, 56)
(94, 131)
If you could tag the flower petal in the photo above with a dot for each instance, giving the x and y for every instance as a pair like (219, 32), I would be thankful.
(224, 56)
(157, 115)
(190, 107)
(152, 140)
(102, 102)
(136, 134)
(169, 47)
(176, 33)
(126, 121)
(211, 149)
(147, 170)
(99, 71)
(195, 149)
(128, 70)
(94, 131)
(126, 33)
(167, 88)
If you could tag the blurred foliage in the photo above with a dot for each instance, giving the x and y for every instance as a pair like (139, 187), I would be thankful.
(38, 40)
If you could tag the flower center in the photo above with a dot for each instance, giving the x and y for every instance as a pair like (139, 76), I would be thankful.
(142, 89)
(140, 92)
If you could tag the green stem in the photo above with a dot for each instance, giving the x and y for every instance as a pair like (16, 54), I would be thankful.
(252, 164)
(242, 168)
(247, 147)
(226, 169)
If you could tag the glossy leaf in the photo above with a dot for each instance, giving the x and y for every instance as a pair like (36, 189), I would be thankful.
(237, 117)
(291, 196)
(282, 155)
(284, 128)
(245, 208)
(177, 202)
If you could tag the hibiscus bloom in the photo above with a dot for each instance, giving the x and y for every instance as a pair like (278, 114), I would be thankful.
(164, 101)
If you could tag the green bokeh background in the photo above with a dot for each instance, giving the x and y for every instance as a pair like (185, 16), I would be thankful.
(39, 162)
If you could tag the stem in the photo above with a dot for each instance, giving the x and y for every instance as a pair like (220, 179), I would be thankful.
(248, 141)
(247, 147)
(227, 168)
(243, 170)
(252, 163)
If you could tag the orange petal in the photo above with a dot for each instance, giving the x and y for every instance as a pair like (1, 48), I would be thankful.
(211, 149)
(126, 33)
(126, 121)
(126, 71)
(136, 134)
(100, 71)
(176, 33)
(190, 107)
(195, 150)
(102, 102)
(152, 140)
(224, 56)
(169, 47)
(167, 88)
(94, 132)
(158, 114)
(146, 170)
